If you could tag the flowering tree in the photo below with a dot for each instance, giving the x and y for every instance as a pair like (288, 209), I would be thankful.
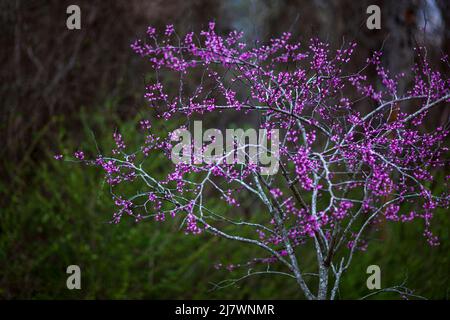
(341, 172)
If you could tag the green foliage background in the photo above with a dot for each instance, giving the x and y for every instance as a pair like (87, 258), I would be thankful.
(56, 214)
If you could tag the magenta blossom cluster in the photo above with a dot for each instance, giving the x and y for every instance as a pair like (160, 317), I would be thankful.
(353, 154)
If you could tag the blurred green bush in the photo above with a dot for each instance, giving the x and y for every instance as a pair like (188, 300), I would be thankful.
(56, 214)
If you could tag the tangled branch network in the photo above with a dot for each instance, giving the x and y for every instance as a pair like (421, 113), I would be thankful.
(352, 152)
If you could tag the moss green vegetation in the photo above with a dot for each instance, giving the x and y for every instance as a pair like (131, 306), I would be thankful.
(57, 214)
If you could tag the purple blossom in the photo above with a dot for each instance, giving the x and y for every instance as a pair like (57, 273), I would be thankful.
(79, 155)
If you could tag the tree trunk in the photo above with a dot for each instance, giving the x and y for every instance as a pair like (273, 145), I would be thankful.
(323, 283)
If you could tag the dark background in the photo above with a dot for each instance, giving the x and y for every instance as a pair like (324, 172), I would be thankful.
(60, 88)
